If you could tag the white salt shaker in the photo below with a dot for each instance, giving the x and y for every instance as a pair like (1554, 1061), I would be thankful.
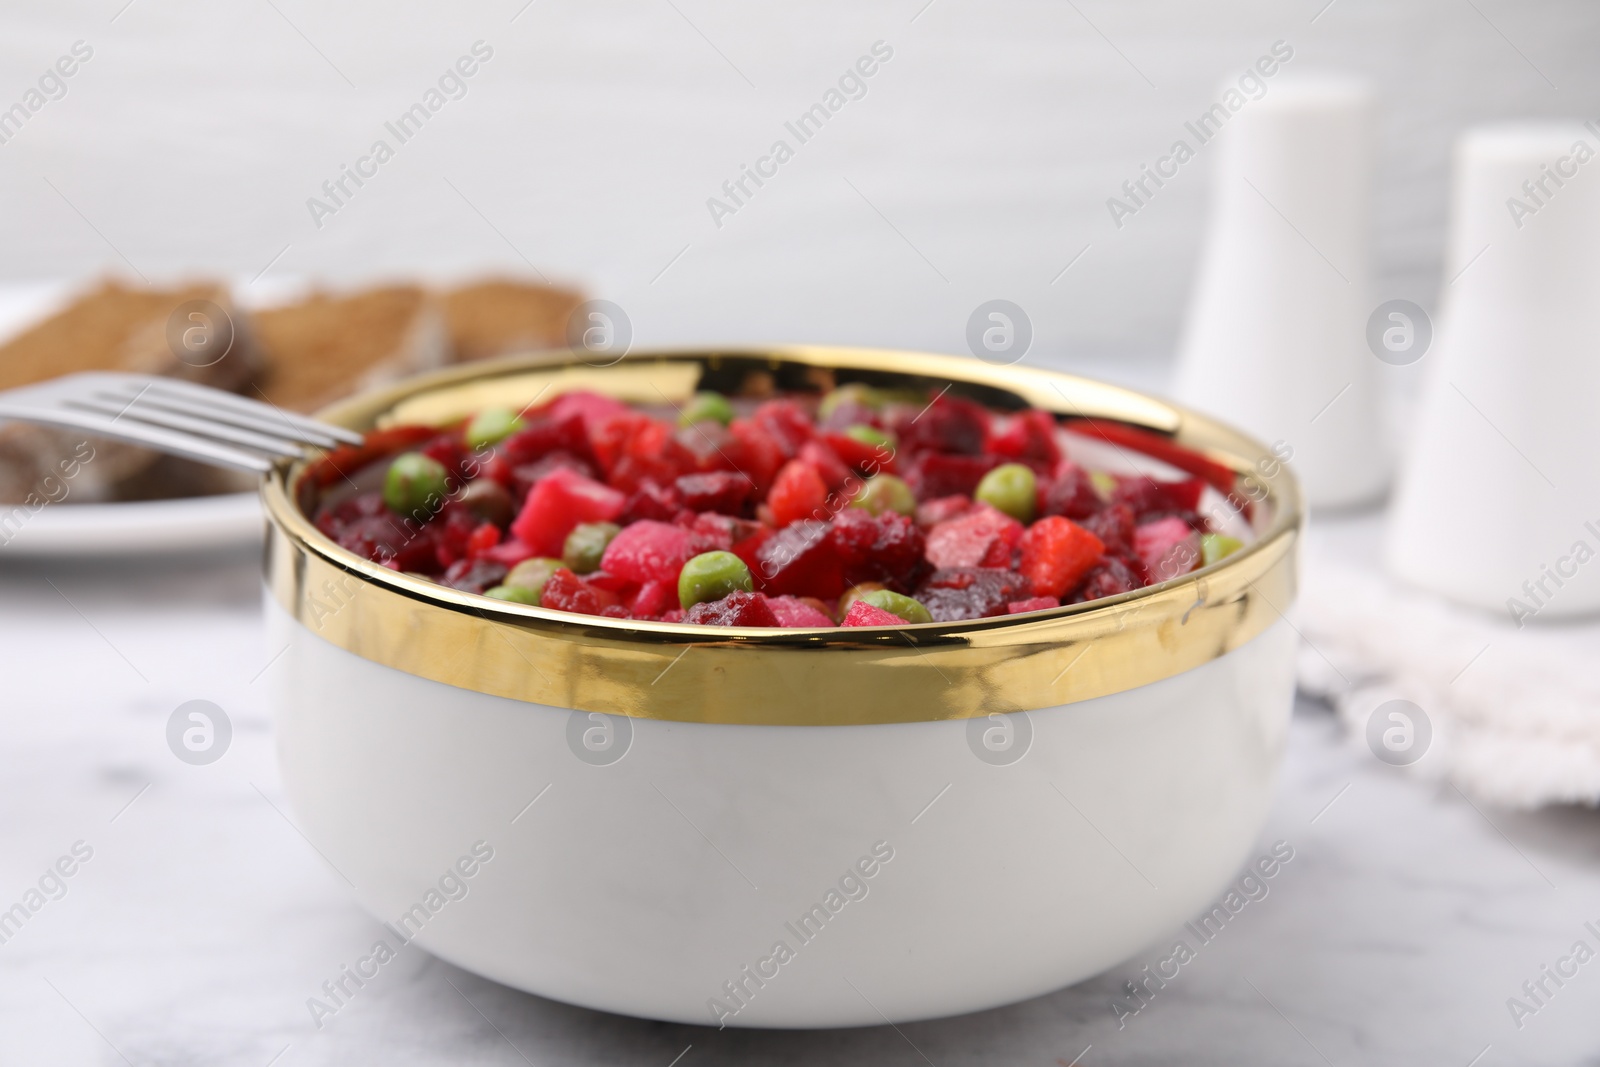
(1498, 502)
(1275, 340)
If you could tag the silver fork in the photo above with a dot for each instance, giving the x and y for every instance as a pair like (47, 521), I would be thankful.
(172, 416)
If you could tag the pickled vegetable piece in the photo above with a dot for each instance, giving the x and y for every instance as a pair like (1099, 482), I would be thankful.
(862, 613)
(1056, 555)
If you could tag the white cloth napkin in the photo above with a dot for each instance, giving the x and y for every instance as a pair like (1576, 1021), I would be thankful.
(1515, 714)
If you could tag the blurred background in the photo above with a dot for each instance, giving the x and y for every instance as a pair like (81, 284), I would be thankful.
(977, 165)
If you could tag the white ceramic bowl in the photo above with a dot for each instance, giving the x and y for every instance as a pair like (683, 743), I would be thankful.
(791, 829)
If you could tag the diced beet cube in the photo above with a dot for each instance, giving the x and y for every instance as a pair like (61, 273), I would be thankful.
(735, 609)
(943, 509)
(1148, 497)
(485, 537)
(632, 448)
(749, 549)
(1110, 577)
(787, 422)
(1069, 492)
(983, 537)
(951, 424)
(383, 539)
(825, 460)
(713, 531)
(544, 435)
(1029, 436)
(608, 437)
(869, 459)
(673, 615)
(1167, 547)
(524, 476)
(863, 614)
(495, 467)
(1056, 554)
(452, 531)
(631, 472)
(794, 612)
(1114, 526)
(755, 452)
(565, 591)
(935, 474)
(799, 560)
(709, 443)
(720, 491)
(557, 503)
(654, 599)
(651, 501)
(1036, 603)
(971, 592)
(510, 552)
(612, 583)
(448, 451)
(334, 518)
(855, 530)
(799, 492)
(649, 551)
(1184, 495)
(651, 452)
(474, 576)
(887, 548)
(593, 408)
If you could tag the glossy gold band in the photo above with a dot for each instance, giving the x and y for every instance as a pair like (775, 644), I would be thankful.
(787, 677)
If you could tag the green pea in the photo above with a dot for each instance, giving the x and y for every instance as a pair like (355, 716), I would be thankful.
(884, 493)
(492, 425)
(531, 574)
(415, 483)
(586, 544)
(1214, 547)
(1009, 488)
(515, 594)
(712, 576)
(907, 608)
(706, 407)
(1103, 483)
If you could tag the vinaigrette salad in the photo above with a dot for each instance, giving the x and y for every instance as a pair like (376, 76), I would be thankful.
(860, 507)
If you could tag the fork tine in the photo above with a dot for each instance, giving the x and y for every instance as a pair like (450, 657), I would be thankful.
(272, 425)
(217, 431)
(139, 433)
(176, 387)
(264, 409)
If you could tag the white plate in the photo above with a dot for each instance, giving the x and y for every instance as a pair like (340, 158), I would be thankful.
(231, 520)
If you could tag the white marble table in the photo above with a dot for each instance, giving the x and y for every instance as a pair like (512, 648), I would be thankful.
(203, 921)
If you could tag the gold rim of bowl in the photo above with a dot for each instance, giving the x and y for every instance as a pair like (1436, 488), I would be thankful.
(679, 672)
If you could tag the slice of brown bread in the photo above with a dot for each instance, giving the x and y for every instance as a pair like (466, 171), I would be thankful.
(118, 327)
(329, 346)
(498, 316)
(125, 328)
